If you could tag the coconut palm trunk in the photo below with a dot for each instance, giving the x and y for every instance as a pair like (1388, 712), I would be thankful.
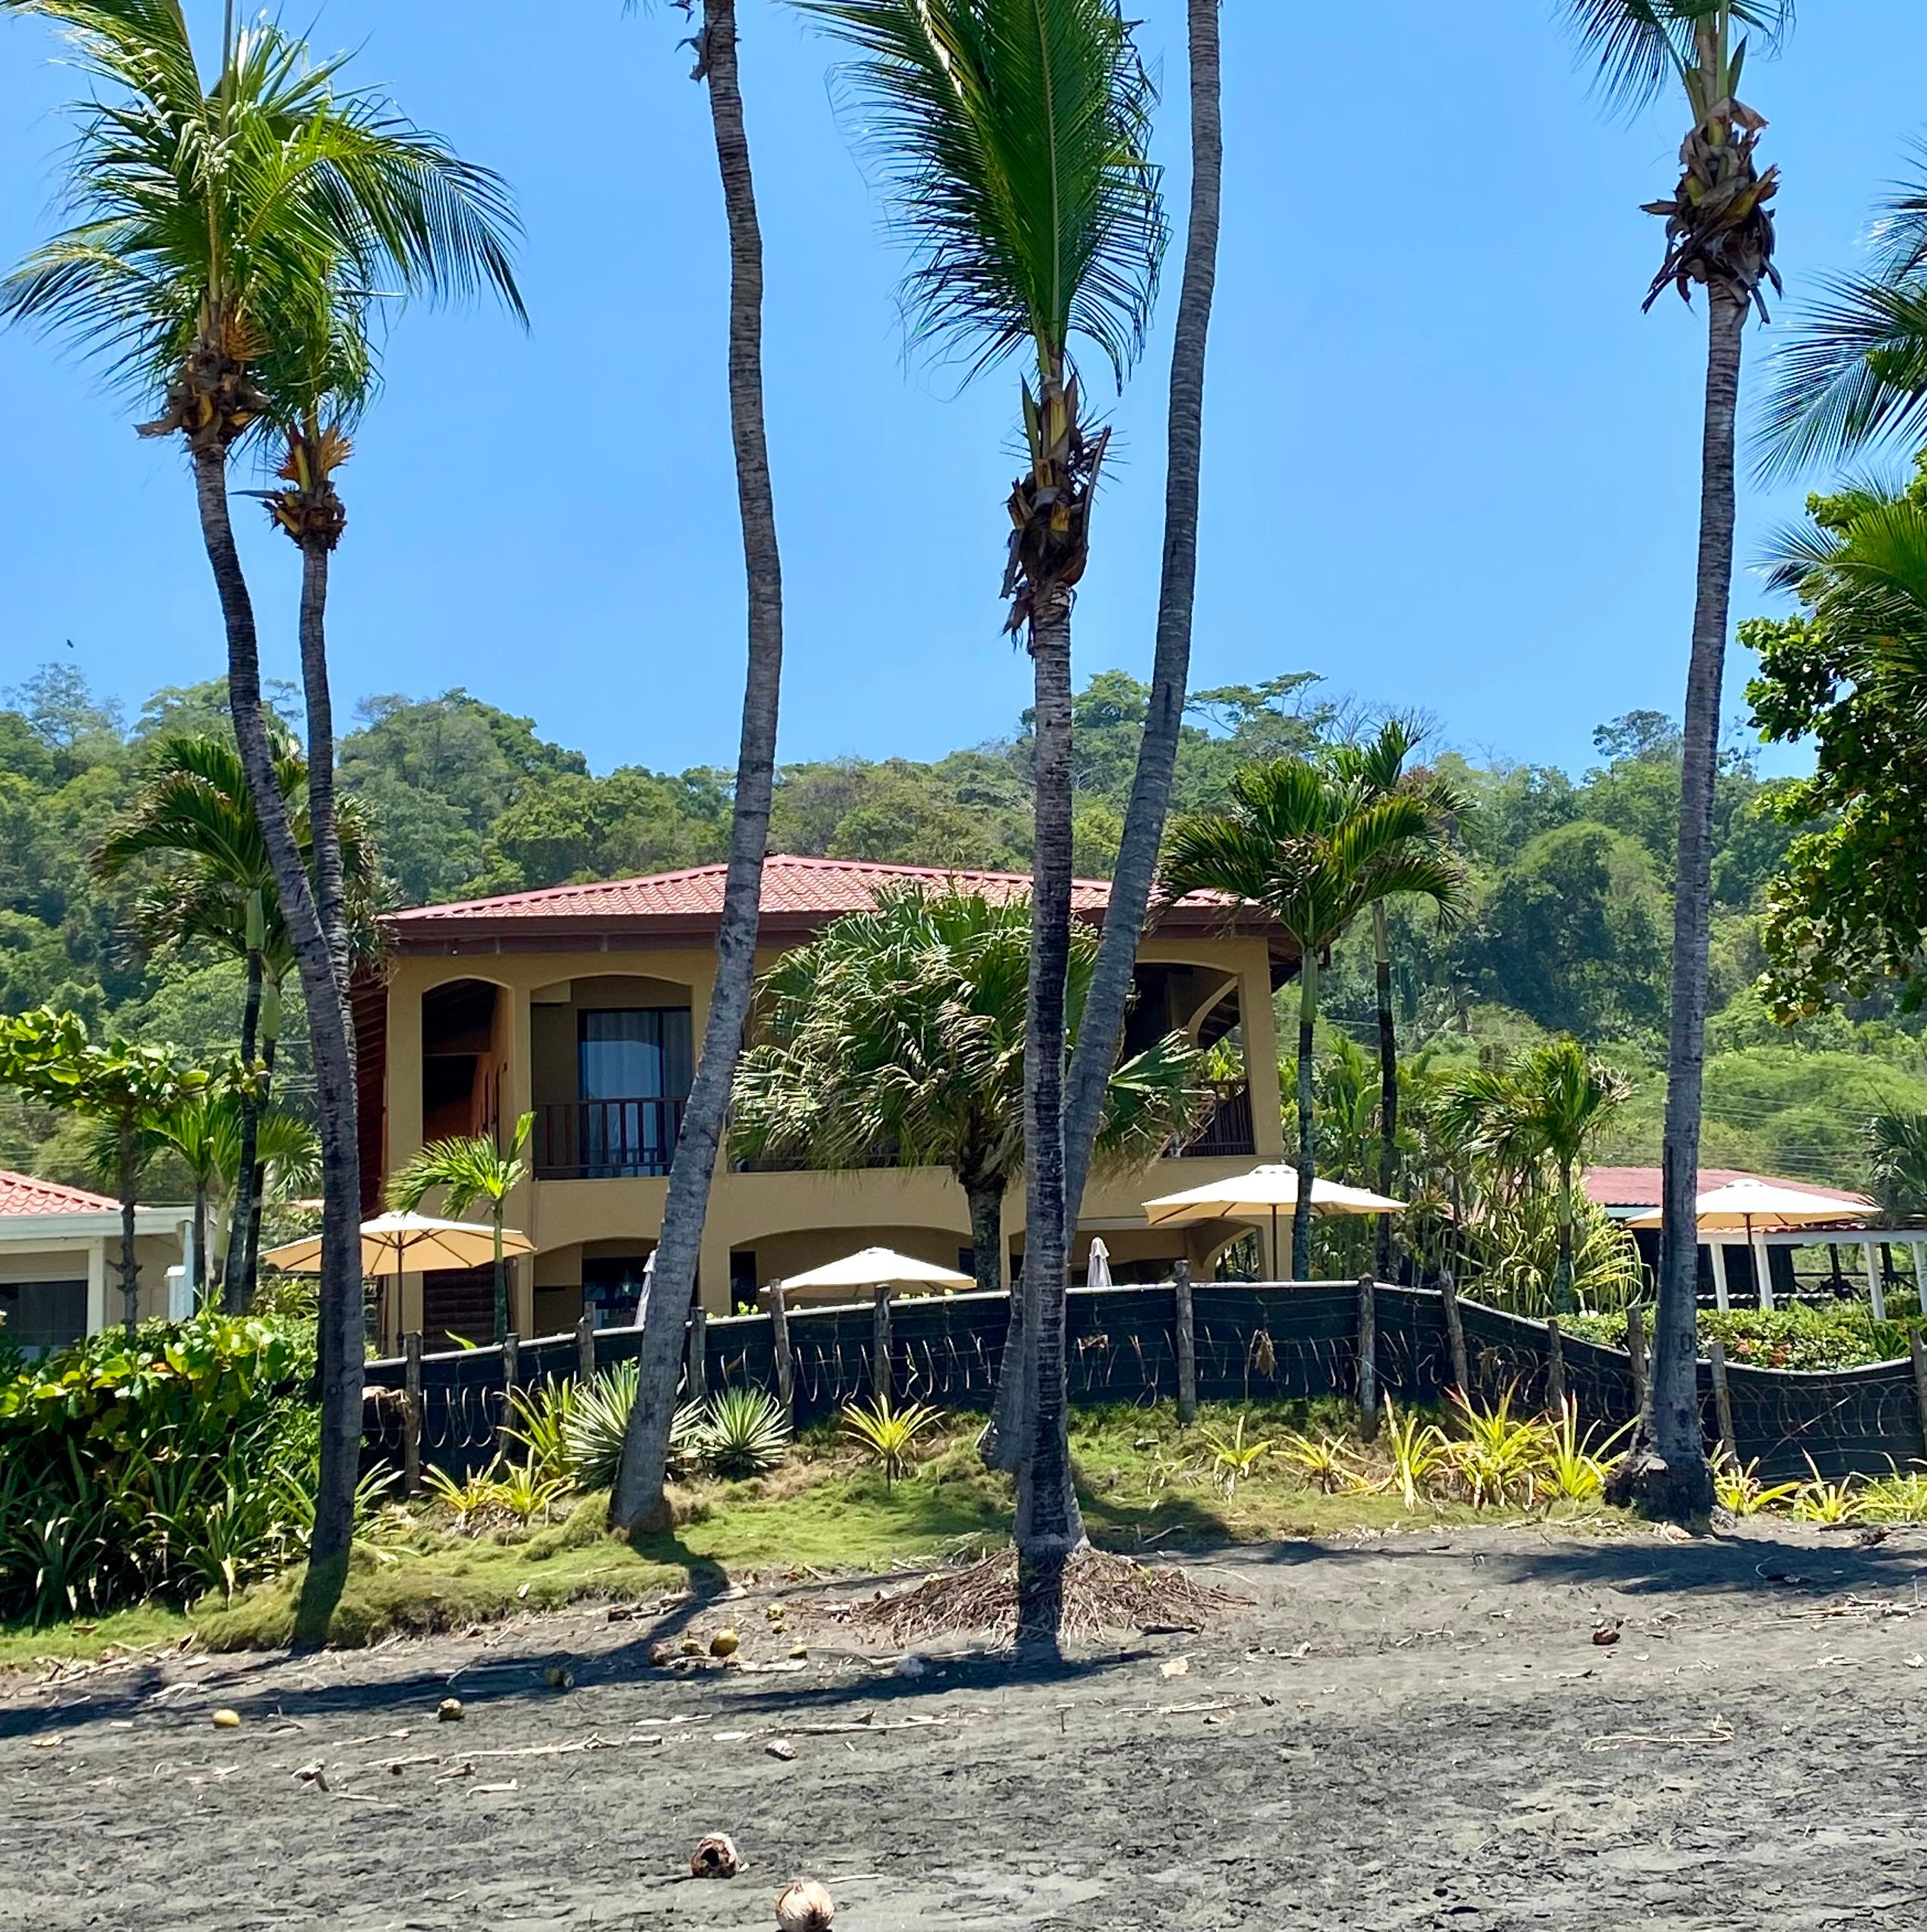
(1050, 1526)
(236, 1284)
(341, 1329)
(1381, 960)
(1670, 1459)
(984, 1199)
(638, 1497)
(317, 543)
(1308, 1163)
(130, 1266)
(1101, 1030)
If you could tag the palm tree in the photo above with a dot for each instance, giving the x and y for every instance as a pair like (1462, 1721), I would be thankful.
(638, 1493)
(1548, 1105)
(899, 1034)
(1720, 235)
(193, 813)
(1014, 134)
(1379, 767)
(1136, 871)
(1316, 849)
(1896, 1153)
(468, 1168)
(218, 227)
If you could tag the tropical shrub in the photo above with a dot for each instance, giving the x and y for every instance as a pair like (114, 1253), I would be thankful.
(1232, 1458)
(1839, 1335)
(178, 1462)
(745, 1433)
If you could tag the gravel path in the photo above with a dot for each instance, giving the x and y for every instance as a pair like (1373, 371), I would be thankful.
(1417, 1731)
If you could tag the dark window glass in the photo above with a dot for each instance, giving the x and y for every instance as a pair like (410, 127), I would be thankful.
(40, 1315)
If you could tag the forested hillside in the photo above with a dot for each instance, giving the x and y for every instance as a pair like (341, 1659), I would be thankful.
(1569, 930)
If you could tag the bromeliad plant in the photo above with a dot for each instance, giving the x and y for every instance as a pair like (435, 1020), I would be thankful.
(889, 1435)
(1232, 1458)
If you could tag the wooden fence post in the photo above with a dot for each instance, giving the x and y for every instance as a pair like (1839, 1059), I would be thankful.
(779, 1347)
(1722, 1400)
(1635, 1350)
(1448, 1293)
(1919, 1354)
(697, 1373)
(1184, 1330)
(883, 1381)
(585, 1348)
(411, 1412)
(511, 1363)
(1368, 1356)
(1555, 1367)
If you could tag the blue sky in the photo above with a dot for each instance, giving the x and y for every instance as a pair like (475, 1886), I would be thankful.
(1449, 463)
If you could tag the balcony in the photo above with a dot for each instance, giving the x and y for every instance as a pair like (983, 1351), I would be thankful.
(607, 1140)
(1227, 1132)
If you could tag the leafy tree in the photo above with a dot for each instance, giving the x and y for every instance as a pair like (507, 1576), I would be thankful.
(1719, 236)
(639, 1490)
(900, 1033)
(468, 1168)
(49, 1057)
(1317, 848)
(1548, 1104)
(1014, 136)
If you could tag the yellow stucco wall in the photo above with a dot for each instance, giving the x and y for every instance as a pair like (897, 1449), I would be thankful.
(791, 1220)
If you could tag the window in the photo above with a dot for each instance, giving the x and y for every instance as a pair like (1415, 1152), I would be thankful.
(36, 1316)
(635, 1064)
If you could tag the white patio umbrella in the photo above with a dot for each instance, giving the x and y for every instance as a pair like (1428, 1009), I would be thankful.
(408, 1244)
(1755, 1208)
(1260, 1195)
(1097, 1269)
(878, 1267)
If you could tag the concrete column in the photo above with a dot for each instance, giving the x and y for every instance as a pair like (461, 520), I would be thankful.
(97, 1286)
(1762, 1274)
(1258, 1023)
(712, 1265)
(404, 1068)
(1876, 1281)
(523, 1208)
(1718, 1251)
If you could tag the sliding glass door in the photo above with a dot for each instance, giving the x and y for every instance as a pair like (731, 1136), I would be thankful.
(635, 1067)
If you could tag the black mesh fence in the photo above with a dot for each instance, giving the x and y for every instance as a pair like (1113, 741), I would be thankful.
(1253, 1342)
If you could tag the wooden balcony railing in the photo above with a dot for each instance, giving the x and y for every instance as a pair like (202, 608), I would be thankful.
(1227, 1131)
(598, 1139)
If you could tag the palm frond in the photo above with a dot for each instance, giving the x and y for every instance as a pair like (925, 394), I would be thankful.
(1641, 47)
(1013, 139)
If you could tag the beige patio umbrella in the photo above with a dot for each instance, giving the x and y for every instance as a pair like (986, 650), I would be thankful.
(878, 1267)
(1755, 1208)
(408, 1244)
(1260, 1195)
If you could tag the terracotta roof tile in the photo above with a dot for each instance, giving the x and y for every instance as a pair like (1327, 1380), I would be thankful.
(20, 1193)
(794, 888)
(1641, 1187)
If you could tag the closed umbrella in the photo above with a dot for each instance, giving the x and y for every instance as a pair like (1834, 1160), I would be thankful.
(1260, 1195)
(648, 1281)
(1097, 1269)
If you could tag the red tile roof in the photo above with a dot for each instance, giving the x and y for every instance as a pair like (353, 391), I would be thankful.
(798, 894)
(1642, 1186)
(20, 1193)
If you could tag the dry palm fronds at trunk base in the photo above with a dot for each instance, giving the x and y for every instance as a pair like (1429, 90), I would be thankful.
(1100, 1592)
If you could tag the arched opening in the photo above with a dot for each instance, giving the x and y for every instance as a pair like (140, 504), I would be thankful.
(464, 1058)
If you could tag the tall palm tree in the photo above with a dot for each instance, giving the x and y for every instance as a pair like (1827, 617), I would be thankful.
(469, 1167)
(1719, 235)
(1896, 1153)
(1014, 135)
(638, 1493)
(1316, 849)
(1135, 872)
(217, 223)
(1380, 767)
(193, 814)
(1549, 1104)
(899, 1034)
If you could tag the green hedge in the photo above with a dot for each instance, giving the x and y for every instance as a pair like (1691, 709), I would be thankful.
(1842, 1336)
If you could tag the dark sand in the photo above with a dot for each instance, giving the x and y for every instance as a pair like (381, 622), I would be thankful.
(1416, 1731)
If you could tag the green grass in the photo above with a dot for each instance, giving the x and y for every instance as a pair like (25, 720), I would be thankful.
(1144, 1480)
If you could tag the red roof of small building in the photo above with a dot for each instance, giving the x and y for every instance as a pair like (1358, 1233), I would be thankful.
(1642, 1186)
(799, 895)
(20, 1193)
